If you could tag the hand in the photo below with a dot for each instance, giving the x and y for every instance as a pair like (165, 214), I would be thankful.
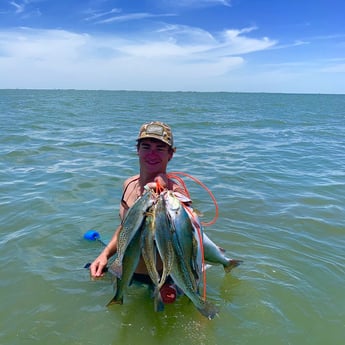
(162, 180)
(98, 265)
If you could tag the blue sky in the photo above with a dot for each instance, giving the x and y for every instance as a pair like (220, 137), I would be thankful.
(295, 46)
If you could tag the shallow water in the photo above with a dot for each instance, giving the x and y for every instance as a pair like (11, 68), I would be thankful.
(275, 164)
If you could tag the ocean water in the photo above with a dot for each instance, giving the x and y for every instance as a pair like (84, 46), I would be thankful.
(275, 164)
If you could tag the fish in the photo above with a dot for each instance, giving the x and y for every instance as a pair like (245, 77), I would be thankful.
(149, 254)
(184, 253)
(163, 238)
(215, 255)
(187, 234)
(130, 262)
(132, 223)
(148, 248)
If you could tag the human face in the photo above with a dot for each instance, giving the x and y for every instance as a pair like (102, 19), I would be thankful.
(154, 156)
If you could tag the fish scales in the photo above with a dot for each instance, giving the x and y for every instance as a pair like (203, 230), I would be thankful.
(130, 261)
(181, 271)
(186, 235)
(148, 248)
(130, 226)
(148, 252)
(163, 236)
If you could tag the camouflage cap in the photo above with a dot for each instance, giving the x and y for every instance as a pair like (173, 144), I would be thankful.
(157, 130)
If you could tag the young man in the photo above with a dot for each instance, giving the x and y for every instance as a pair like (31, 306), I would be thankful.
(155, 148)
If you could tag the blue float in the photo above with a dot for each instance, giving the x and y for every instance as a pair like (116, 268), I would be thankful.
(92, 235)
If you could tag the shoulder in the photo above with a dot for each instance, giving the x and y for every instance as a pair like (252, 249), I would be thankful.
(129, 194)
(130, 181)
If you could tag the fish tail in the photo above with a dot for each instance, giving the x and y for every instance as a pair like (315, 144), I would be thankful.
(232, 263)
(115, 300)
(209, 310)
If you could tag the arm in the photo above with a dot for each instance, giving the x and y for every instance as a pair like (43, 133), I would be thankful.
(97, 266)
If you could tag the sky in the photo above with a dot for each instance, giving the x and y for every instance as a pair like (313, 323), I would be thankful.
(289, 46)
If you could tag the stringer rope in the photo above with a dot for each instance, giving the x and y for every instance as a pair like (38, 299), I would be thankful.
(175, 175)
(198, 228)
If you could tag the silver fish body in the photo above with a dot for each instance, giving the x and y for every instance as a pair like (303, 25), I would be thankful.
(130, 262)
(185, 234)
(215, 255)
(186, 281)
(148, 248)
(132, 223)
(184, 247)
(163, 237)
(149, 254)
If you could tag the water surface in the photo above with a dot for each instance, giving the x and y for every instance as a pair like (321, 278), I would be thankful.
(275, 163)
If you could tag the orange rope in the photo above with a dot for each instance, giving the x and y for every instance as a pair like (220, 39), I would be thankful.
(159, 187)
(175, 175)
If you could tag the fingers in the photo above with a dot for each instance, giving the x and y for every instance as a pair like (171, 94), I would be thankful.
(162, 180)
(97, 269)
(160, 183)
(151, 185)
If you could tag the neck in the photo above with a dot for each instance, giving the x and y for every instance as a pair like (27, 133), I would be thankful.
(147, 177)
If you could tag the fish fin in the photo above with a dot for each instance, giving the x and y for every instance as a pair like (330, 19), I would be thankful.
(221, 249)
(232, 263)
(209, 310)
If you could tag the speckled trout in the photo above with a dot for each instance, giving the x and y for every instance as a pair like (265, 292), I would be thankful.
(129, 262)
(130, 226)
(163, 237)
(213, 254)
(149, 254)
(184, 248)
(186, 234)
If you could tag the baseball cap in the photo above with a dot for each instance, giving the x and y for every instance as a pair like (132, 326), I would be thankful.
(157, 130)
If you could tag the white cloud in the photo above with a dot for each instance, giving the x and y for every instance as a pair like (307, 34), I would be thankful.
(95, 15)
(172, 58)
(19, 7)
(131, 16)
(196, 3)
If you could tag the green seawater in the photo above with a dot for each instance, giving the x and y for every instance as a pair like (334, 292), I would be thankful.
(275, 164)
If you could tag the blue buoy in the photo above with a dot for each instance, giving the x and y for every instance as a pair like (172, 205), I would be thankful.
(92, 235)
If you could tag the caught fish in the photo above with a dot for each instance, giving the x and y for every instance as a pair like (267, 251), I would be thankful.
(148, 248)
(184, 253)
(215, 255)
(149, 254)
(163, 237)
(130, 226)
(187, 234)
(130, 261)
(187, 283)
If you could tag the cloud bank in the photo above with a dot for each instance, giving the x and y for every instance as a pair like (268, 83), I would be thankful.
(179, 55)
